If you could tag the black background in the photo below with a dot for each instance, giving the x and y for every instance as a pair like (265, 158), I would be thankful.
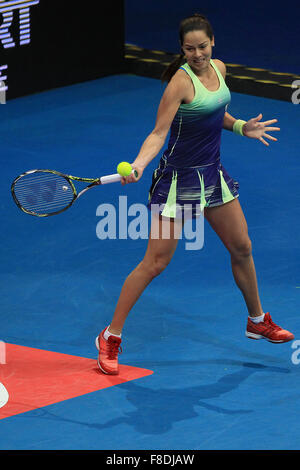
(71, 42)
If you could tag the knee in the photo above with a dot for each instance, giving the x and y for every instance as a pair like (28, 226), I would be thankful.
(156, 265)
(241, 249)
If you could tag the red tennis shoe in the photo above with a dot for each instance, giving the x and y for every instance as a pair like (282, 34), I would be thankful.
(108, 353)
(268, 330)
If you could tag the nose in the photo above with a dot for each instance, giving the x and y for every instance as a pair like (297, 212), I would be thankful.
(198, 53)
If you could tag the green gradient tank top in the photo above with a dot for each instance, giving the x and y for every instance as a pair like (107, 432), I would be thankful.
(195, 135)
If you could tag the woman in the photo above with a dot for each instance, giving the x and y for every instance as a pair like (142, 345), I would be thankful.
(190, 175)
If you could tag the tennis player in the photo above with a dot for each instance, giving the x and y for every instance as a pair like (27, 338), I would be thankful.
(191, 175)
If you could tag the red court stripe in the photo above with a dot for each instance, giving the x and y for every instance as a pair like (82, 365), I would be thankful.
(35, 378)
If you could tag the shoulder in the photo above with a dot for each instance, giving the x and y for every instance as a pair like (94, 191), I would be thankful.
(181, 78)
(178, 85)
(221, 66)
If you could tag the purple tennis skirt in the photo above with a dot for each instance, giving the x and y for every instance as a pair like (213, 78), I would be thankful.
(176, 191)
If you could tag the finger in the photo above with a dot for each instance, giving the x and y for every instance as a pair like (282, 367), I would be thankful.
(129, 179)
(267, 123)
(258, 118)
(134, 177)
(270, 137)
(263, 141)
(272, 128)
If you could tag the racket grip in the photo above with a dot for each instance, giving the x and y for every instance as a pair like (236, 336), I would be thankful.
(114, 178)
(110, 179)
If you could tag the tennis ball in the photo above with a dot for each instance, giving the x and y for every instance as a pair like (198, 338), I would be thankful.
(124, 169)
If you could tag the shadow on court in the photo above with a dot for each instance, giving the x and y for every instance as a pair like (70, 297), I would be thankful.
(157, 411)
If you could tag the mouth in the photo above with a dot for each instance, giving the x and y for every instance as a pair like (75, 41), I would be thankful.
(199, 61)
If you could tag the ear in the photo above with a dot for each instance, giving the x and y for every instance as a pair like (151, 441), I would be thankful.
(213, 41)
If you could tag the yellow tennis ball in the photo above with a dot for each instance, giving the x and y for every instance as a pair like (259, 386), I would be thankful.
(124, 169)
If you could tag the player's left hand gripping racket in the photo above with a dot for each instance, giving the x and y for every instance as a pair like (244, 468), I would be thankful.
(47, 192)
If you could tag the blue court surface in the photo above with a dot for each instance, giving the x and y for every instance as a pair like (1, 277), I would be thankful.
(211, 387)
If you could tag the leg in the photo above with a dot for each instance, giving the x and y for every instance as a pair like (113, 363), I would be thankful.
(161, 247)
(229, 223)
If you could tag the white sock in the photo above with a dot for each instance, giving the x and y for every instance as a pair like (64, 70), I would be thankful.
(258, 319)
(107, 334)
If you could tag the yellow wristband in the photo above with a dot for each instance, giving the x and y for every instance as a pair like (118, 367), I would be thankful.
(238, 126)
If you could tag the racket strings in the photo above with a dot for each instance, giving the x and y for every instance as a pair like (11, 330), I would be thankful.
(43, 193)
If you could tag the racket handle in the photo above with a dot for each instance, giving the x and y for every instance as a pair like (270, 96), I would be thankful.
(114, 178)
(110, 179)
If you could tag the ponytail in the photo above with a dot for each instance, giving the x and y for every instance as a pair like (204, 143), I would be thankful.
(172, 68)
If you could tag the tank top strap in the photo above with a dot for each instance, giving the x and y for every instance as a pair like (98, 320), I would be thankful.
(196, 82)
(194, 78)
(220, 76)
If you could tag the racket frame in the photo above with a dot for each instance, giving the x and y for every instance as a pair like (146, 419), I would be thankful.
(68, 178)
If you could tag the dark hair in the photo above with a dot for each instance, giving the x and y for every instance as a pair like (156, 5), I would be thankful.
(195, 22)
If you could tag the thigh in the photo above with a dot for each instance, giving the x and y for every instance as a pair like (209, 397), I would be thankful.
(229, 223)
(164, 236)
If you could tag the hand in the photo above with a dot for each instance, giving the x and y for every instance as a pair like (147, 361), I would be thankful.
(257, 130)
(132, 178)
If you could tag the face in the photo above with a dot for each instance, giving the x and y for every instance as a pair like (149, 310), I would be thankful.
(197, 48)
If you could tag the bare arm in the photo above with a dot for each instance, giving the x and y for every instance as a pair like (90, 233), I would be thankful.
(150, 148)
(254, 129)
(172, 98)
(228, 121)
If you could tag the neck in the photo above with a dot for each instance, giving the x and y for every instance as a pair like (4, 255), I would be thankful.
(204, 72)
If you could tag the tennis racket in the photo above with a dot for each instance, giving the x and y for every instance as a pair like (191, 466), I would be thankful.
(47, 192)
